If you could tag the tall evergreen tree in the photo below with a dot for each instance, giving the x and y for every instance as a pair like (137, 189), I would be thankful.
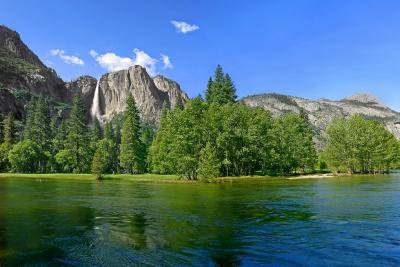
(30, 119)
(1, 129)
(41, 132)
(220, 90)
(9, 130)
(77, 142)
(131, 152)
(109, 131)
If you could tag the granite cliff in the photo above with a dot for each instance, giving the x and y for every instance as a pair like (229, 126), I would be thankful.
(321, 112)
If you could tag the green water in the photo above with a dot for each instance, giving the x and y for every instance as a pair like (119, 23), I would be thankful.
(342, 221)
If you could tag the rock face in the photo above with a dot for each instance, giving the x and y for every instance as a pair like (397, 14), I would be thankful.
(175, 95)
(321, 112)
(151, 95)
(22, 73)
(86, 85)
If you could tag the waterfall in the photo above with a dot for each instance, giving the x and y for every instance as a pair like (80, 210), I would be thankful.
(95, 109)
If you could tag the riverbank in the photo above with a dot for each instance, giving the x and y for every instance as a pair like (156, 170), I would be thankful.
(155, 178)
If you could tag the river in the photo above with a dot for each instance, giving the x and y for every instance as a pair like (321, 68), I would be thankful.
(315, 222)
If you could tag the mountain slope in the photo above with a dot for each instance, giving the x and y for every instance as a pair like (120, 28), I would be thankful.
(22, 72)
(321, 112)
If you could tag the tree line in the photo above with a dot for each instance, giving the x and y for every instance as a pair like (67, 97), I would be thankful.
(206, 138)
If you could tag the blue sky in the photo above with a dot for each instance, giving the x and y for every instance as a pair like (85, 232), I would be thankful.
(307, 48)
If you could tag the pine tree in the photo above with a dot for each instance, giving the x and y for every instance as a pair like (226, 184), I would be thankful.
(95, 134)
(109, 131)
(220, 90)
(131, 151)
(9, 130)
(41, 132)
(77, 142)
(1, 129)
(30, 119)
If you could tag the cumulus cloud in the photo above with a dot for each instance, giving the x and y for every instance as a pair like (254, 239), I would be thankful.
(66, 58)
(166, 62)
(184, 27)
(114, 62)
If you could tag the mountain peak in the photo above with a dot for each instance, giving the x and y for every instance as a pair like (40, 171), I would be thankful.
(11, 42)
(364, 98)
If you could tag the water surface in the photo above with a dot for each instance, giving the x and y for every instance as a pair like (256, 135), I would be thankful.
(338, 221)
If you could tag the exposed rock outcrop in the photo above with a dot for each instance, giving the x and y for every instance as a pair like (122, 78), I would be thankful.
(151, 95)
(175, 95)
(321, 112)
(22, 73)
(86, 85)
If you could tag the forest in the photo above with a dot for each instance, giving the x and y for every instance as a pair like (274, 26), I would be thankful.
(206, 138)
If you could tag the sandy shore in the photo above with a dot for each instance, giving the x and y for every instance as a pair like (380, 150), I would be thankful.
(313, 176)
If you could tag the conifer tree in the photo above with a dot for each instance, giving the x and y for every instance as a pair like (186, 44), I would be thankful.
(220, 90)
(41, 132)
(30, 119)
(77, 141)
(9, 130)
(109, 131)
(1, 129)
(131, 150)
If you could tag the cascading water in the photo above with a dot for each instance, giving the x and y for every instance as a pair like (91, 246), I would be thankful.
(95, 109)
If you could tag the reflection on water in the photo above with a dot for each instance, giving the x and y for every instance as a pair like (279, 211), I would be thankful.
(278, 222)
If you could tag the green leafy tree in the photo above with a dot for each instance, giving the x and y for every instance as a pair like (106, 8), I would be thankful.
(25, 156)
(292, 147)
(132, 151)
(209, 163)
(104, 158)
(360, 145)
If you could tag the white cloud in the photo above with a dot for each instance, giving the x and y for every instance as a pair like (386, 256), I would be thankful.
(93, 53)
(184, 27)
(114, 62)
(166, 62)
(66, 58)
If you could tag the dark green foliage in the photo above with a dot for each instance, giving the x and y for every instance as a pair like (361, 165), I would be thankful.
(109, 131)
(9, 130)
(360, 145)
(104, 160)
(78, 154)
(220, 90)
(96, 134)
(132, 158)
